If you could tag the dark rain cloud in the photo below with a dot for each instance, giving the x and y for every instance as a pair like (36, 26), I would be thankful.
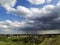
(45, 22)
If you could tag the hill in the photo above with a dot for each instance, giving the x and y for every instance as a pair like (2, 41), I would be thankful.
(30, 40)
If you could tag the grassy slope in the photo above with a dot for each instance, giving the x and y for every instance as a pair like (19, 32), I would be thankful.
(57, 41)
(51, 41)
(27, 40)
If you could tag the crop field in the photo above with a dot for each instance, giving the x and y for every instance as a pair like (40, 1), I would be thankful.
(30, 40)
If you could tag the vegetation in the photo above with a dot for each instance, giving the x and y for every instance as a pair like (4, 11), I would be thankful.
(30, 40)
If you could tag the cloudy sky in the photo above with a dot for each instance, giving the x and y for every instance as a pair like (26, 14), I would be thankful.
(17, 16)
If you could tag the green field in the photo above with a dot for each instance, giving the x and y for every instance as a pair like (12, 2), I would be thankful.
(30, 40)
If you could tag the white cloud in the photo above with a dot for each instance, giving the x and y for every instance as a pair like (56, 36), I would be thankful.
(11, 3)
(58, 4)
(27, 12)
(39, 12)
(8, 4)
(14, 27)
(50, 12)
(48, 1)
(36, 2)
(21, 10)
(31, 12)
(10, 26)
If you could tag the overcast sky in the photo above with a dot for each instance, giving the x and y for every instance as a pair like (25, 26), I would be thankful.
(29, 15)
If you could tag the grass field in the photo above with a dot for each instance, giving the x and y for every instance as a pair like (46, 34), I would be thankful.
(30, 40)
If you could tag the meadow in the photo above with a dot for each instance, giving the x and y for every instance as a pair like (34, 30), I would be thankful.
(30, 40)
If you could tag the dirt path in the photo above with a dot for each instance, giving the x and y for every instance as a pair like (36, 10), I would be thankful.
(47, 41)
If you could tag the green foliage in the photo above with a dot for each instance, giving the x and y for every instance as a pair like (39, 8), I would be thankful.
(29, 40)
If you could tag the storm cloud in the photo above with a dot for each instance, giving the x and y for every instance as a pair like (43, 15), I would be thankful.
(45, 18)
